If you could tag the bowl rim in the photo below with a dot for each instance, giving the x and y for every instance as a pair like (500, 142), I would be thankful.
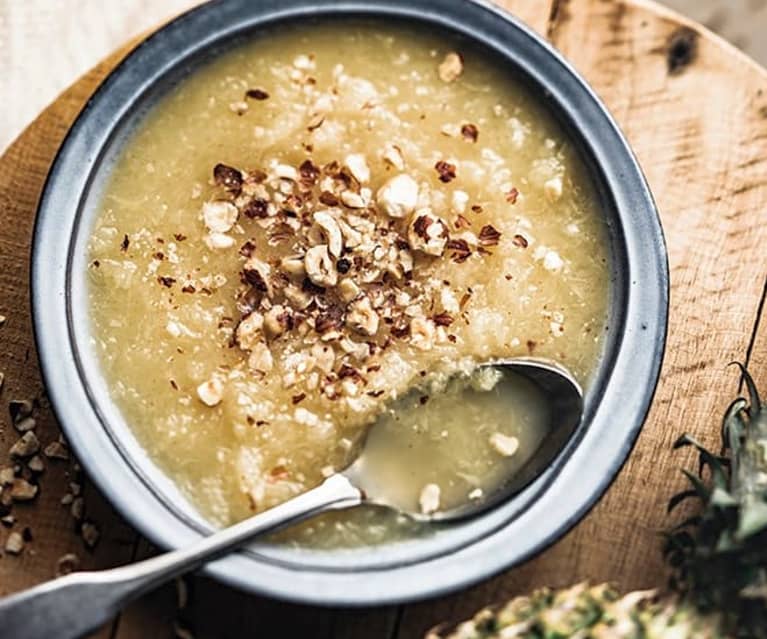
(639, 347)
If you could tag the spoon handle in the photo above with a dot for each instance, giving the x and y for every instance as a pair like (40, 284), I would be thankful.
(74, 605)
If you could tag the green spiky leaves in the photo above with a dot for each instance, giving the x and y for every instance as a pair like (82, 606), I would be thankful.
(719, 554)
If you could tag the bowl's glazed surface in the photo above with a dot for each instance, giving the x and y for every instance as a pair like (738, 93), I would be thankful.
(453, 556)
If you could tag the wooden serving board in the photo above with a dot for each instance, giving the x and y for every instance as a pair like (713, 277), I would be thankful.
(695, 111)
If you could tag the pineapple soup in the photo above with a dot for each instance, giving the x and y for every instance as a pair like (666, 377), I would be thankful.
(318, 222)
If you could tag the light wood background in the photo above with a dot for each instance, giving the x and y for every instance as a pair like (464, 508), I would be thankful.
(695, 111)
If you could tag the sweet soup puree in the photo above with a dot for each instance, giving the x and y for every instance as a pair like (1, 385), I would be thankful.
(316, 223)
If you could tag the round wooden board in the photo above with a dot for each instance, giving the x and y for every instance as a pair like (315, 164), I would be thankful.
(695, 111)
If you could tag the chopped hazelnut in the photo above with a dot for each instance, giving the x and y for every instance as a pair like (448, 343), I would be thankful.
(26, 446)
(258, 208)
(358, 166)
(470, 132)
(319, 266)
(77, 509)
(20, 408)
(277, 320)
(24, 424)
(329, 321)
(331, 232)
(406, 260)
(450, 130)
(392, 155)
(218, 241)
(228, 177)
(504, 445)
(361, 317)
(285, 172)
(451, 67)
(348, 290)
(211, 392)
(257, 273)
(459, 201)
(489, 235)
(353, 200)
(443, 319)
(14, 544)
(477, 493)
(359, 351)
(260, 359)
(429, 499)
(248, 332)
(340, 248)
(349, 388)
(315, 122)
(219, 216)
(67, 564)
(36, 464)
(7, 475)
(398, 196)
(56, 450)
(324, 357)
(298, 298)
(352, 237)
(22, 490)
(90, 534)
(520, 241)
(422, 332)
(257, 94)
(446, 171)
(293, 265)
(428, 232)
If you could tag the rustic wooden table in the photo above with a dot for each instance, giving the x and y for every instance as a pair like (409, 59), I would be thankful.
(695, 111)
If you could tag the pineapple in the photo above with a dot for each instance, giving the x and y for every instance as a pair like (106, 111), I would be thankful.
(718, 560)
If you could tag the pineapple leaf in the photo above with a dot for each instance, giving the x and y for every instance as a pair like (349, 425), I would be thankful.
(722, 498)
(726, 543)
(680, 541)
(697, 483)
(682, 441)
(693, 520)
(755, 403)
(719, 559)
(706, 458)
(679, 498)
(733, 425)
(753, 519)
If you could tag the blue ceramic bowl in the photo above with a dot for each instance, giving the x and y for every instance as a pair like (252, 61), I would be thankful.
(455, 556)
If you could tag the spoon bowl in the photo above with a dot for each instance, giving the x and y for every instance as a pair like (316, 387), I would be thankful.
(564, 399)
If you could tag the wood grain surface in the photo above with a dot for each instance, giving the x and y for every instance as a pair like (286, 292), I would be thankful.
(695, 111)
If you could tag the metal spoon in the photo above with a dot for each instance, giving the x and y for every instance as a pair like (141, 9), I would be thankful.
(79, 603)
